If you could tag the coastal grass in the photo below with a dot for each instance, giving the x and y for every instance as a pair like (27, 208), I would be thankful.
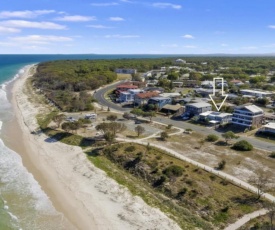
(137, 187)
(218, 201)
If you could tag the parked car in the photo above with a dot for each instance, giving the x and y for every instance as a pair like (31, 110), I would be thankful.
(91, 116)
(71, 119)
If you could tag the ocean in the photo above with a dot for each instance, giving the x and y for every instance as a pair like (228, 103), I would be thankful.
(23, 203)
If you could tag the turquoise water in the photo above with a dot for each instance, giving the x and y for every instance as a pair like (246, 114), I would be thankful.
(23, 204)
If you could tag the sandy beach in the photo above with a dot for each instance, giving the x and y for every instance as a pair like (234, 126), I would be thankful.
(84, 194)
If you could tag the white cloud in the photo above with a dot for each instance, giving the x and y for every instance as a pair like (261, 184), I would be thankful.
(76, 18)
(6, 30)
(224, 45)
(24, 14)
(116, 19)
(166, 5)
(271, 26)
(40, 39)
(99, 27)
(7, 44)
(105, 4)
(188, 36)
(30, 24)
(122, 36)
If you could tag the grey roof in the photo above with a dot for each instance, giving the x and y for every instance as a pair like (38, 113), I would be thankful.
(251, 108)
(200, 104)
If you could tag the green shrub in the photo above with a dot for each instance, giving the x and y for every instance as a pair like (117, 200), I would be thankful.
(173, 170)
(130, 148)
(212, 138)
(242, 146)
(272, 155)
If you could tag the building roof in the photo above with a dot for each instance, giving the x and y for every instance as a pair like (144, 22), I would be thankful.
(170, 94)
(251, 108)
(256, 91)
(147, 95)
(270, 125)
(172, 107)
(158, 98)
(199, 104)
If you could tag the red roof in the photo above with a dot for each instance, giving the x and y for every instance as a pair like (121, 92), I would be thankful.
(127, 86)
(147, 95)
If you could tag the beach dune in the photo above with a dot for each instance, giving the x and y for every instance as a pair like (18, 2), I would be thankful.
(86, 196)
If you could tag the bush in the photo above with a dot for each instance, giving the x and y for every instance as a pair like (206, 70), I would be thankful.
(221, 165)
(164, 136)
(130, 148)
(169, 126)
(173, 170)
(212, 138)
(242, 146)
(272, 155)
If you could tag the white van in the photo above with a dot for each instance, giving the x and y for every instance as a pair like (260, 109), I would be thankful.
(91, 116)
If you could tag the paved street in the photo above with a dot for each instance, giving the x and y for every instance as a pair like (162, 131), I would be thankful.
(99, 96)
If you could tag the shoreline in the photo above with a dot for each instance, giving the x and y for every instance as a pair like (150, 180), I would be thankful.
(83, 193)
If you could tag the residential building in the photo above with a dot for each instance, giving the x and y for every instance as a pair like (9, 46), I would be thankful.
(142, 98)
(256, 93)
(216, 117)
(206, 92)
(128, 96)
(126, 71)
(171, 95)
(268, 128)
(195, 109)
(159, 101)
(248, 116)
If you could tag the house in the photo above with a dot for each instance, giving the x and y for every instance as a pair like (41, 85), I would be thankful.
(256, 93)
(173, 109)
(248, 116)
(180, 61)
(154, 89)
(216, 117)
(236, 82)
(159, 101)
(124, 88)
(194, 109)
(129, 95)
(171, 95)
(142, 98)
(126, 71)
(268, 128)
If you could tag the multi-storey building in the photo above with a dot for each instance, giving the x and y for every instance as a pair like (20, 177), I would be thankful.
(248, 116)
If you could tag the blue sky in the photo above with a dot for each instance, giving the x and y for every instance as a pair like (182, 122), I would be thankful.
(137, 27)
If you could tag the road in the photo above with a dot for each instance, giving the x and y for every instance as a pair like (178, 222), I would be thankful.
(99, 96)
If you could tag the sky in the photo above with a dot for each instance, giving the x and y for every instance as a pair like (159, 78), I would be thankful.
(137, 27)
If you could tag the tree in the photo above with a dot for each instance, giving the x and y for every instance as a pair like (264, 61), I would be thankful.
(242, 145)
(260, 181)
(163, 136)
(139, 130)
(271, 212)
(58, 119)
(111, 117)
(229, 136)
(112, 127)
(149, 114)
(137, 112)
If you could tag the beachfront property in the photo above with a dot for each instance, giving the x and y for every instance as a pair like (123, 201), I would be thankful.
(126, 71)
(268, 128)
(142, 98)
(159, 101)
(256, 93)
(248, 116)
(216, 117)
(195, 109)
